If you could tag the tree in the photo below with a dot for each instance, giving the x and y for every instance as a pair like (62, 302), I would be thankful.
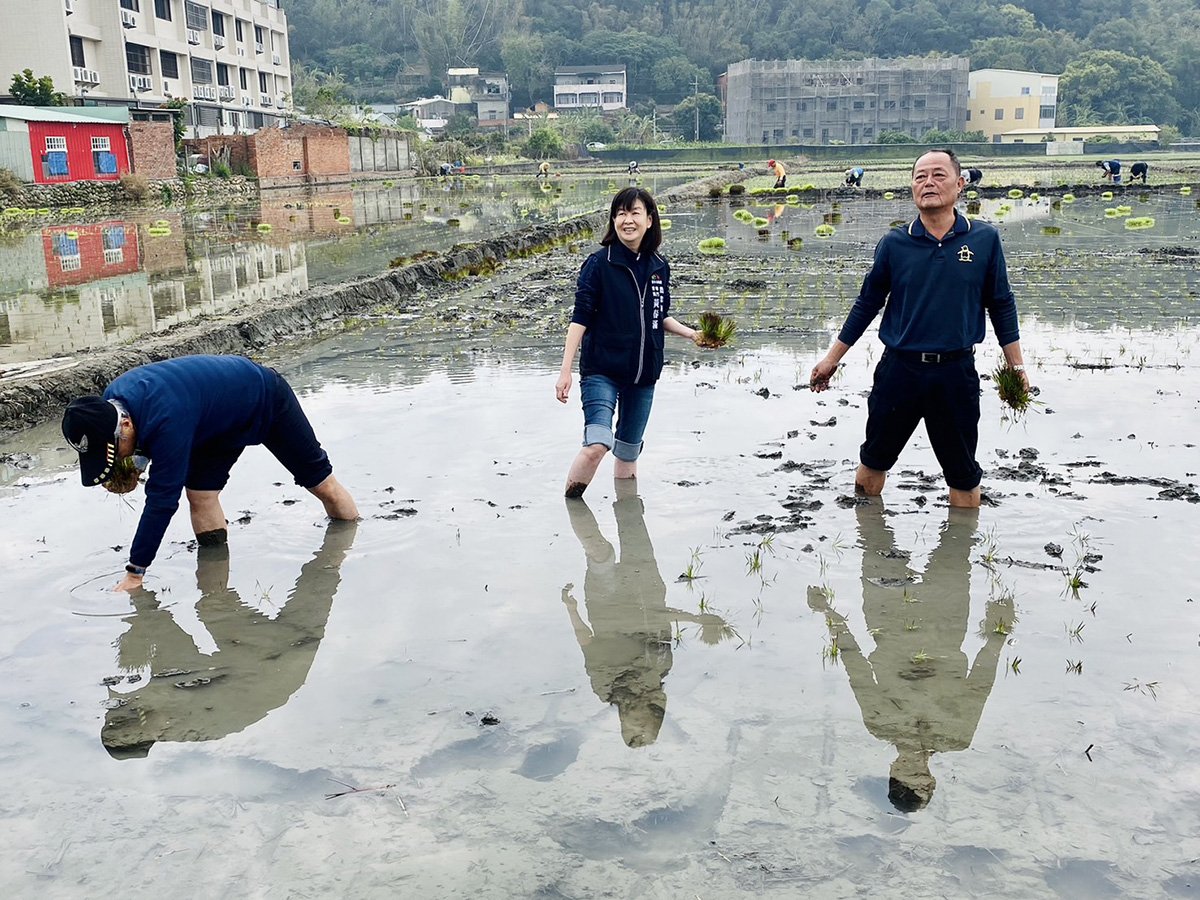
(936, 136)
(27, 90)
(524, 56)
(894, 137)
(683, 119)
(178, 120)
(1116, 89)
(320, 94)
(543, 144)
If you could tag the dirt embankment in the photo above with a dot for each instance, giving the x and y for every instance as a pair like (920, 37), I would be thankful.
(30, 400)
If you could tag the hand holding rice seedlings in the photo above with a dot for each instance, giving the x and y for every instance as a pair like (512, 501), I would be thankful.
(1013, 390)
(715, 331)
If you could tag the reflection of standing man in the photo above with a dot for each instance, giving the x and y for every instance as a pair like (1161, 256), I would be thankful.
(917, 689)
(259, 663)
(627, 649)
(940, 278)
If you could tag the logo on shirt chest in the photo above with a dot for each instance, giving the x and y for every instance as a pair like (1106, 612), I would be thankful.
(965, 254)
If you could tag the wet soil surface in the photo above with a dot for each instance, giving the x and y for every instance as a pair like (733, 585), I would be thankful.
(734, 678)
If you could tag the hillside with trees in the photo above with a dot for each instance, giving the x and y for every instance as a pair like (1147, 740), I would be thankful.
(1122, 61)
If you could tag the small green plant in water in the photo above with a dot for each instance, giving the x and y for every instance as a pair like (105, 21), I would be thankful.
(712, 245)
(715, 331)
(1012, 389)
(1135, 223)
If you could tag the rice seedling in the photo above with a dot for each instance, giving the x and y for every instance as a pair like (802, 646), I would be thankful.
(1051, 230)
(664, 224)
(1107, 195)
(1012, 388)
(1015, 665)
(1075, 632)
(1149, 687)
(715, 330)
(911, 625)
(1068, 198)
(1135, 223)
(1075, 667)
(695, 564)
(888, 195)
(1016, 194)
(921, 657)
(825, 231)
(759, 222)
(831, 651)
(712, 245)
(735, 189)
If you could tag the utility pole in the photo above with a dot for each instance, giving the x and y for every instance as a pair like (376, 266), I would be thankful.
(696, 107)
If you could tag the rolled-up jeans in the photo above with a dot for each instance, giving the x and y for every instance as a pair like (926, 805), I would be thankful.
(603, 398)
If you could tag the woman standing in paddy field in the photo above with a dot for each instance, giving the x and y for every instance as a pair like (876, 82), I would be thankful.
(622, 309)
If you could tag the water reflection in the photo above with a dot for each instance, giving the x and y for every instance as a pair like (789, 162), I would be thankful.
(259, 662)
(917, 689)
(67, 288)
(627, 640)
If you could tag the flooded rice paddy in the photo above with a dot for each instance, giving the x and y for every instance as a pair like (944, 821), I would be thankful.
(731, 681)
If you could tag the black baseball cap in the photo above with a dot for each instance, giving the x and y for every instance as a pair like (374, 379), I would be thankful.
(90, 426)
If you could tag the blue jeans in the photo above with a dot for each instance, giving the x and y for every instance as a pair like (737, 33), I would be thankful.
(602, 398)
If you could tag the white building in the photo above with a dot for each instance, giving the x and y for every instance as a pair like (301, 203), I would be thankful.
(227, 58)
(590, 87)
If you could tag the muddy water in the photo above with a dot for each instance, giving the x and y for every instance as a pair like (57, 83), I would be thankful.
(535, 704)
(71, 283)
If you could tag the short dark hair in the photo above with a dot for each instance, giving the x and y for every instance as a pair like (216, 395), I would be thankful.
(950, 153)
(625, 199)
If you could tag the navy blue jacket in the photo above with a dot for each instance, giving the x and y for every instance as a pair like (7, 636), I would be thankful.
(179, 404)
(936, 291)
(622, 298)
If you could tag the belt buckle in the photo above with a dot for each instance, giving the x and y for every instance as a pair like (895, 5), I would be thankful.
(930, 357)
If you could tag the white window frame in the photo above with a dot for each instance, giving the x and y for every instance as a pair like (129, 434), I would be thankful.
(56, 143)
(100, 145)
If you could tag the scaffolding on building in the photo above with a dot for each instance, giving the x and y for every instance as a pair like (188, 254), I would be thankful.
(797, 101)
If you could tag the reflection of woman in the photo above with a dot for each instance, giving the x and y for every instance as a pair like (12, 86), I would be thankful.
(627, 648)
(917, 689)
(260, 662)
(622, 309)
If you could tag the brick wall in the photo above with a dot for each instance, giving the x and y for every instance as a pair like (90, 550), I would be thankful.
(152, 145)
(299, 154)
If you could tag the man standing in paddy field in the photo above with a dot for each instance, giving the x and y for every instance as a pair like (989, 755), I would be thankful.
(938, 276)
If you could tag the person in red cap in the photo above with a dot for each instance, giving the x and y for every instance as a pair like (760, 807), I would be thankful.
(780, 173)
(189, 419)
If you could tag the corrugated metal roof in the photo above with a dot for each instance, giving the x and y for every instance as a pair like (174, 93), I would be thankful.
(68, 114)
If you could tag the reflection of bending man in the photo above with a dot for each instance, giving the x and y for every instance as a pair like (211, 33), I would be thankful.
(259, 663)
(916, 689)
(627, 649)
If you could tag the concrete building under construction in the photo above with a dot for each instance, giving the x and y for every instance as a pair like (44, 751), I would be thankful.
(799, 101)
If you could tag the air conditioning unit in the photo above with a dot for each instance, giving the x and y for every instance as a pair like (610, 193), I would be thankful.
(139, 83)
(258, 47)
(218, 42)
(226, 92)
(276, 59)
(193, 36)
(85, 76)
(264, 100)
(128, 19)
(245, 101)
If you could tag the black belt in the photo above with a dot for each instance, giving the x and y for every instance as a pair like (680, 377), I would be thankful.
(925, 356)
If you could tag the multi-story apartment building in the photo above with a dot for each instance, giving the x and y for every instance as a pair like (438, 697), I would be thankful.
(227, 58)
(488, 94)
(1003, 100)
(843, 101)
(590, 87)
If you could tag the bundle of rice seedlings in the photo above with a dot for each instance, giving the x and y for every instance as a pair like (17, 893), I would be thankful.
(715, 331)
(824, 231)
(1011, 387)
(712, 245)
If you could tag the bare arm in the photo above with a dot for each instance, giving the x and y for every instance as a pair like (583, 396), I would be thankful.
(671, 325)
(574, 338)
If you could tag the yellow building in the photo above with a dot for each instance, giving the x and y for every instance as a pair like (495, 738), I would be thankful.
(1122, 134)
(1004, 100)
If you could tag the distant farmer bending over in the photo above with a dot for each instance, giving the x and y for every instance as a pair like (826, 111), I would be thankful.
(780, 173)
(1138, 170)
(972, 176)
(854, 176)
(1110, 169)
(189, 419)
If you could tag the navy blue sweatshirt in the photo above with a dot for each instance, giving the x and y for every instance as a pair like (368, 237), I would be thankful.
(936, 291)
(179, 404)
(622, 298)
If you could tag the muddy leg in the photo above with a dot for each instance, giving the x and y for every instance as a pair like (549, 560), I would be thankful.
(869, 481)
(336, 499)
(583, 469)
(208, 519)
